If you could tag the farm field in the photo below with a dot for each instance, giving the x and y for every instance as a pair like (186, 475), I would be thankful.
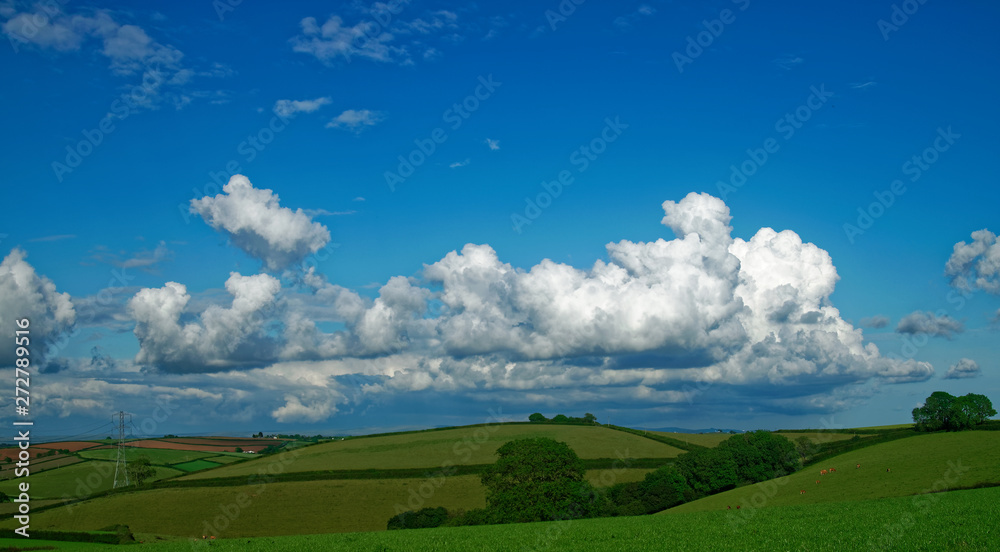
(93, 476)
(471, 445)
(156, 455)
(959, 520)
(271, 509)
(820, 437)
(700, 439)
(195, 465)
(947, 460)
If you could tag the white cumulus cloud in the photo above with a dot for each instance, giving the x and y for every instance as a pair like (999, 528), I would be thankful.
(26, 294)
(256, 223)
(976, 265)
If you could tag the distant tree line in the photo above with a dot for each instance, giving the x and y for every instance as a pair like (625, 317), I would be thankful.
(587, 418)
(943, 411)
(543, 480)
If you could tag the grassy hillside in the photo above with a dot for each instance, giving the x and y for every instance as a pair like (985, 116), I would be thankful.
(460, 446)
(83, 478)
(270, 509)
(961, 520)
(947, 460)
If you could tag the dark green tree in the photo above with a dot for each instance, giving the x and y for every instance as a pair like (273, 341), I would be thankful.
(663, 488)
(761, 455)
(538, 480)
(943, 411)
(589, 418)
(708, 471)
(560, 418)
(537, 417)
(420, 519)
(140, 469)
(4, 497)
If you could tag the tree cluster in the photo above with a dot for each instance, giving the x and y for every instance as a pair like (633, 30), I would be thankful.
(543, 480)
(943, 411)
(587, 418)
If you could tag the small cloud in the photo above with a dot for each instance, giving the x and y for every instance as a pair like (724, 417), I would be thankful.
(626, 21)
(287, 108)
(356, 120)
(877, 321)
(930, 324)
(964, 368)
(788, 62)
(863, 85)
(56, 237)
(494, 145)
(458, 164)
(359, 198)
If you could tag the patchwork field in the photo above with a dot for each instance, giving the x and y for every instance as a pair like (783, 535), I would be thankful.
(471, 445)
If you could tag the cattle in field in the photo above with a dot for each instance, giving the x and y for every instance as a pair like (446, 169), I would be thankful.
(822, 472)
(858, 466)
(831, 470)
(802, 492)
(817, 481)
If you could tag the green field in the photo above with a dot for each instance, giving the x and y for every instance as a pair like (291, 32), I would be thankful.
(471, 445)
(156, 456)
(700, 439)
(225, 459)
(81, 479)
(961, 520)
(917, 463)
(820, 437)
(38, 544)
(270, 509)
(196, 465)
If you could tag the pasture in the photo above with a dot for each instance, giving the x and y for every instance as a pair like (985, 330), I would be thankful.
(80, 479)
(262, 509)
(156, 456)
(936, 461)
(960, 520)
(460, 446)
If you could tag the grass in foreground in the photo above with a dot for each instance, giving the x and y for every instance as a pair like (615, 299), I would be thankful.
(960, 520)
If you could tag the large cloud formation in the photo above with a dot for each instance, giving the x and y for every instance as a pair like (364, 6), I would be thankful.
(256, 223)
(220, 338)
(976, 265)
(25, 294)
(658, 323)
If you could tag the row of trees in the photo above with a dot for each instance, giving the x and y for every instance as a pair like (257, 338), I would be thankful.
(542, 480)
(587, 418)
(943, 411)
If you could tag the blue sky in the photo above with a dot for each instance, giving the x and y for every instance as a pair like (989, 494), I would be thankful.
(729, 214)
